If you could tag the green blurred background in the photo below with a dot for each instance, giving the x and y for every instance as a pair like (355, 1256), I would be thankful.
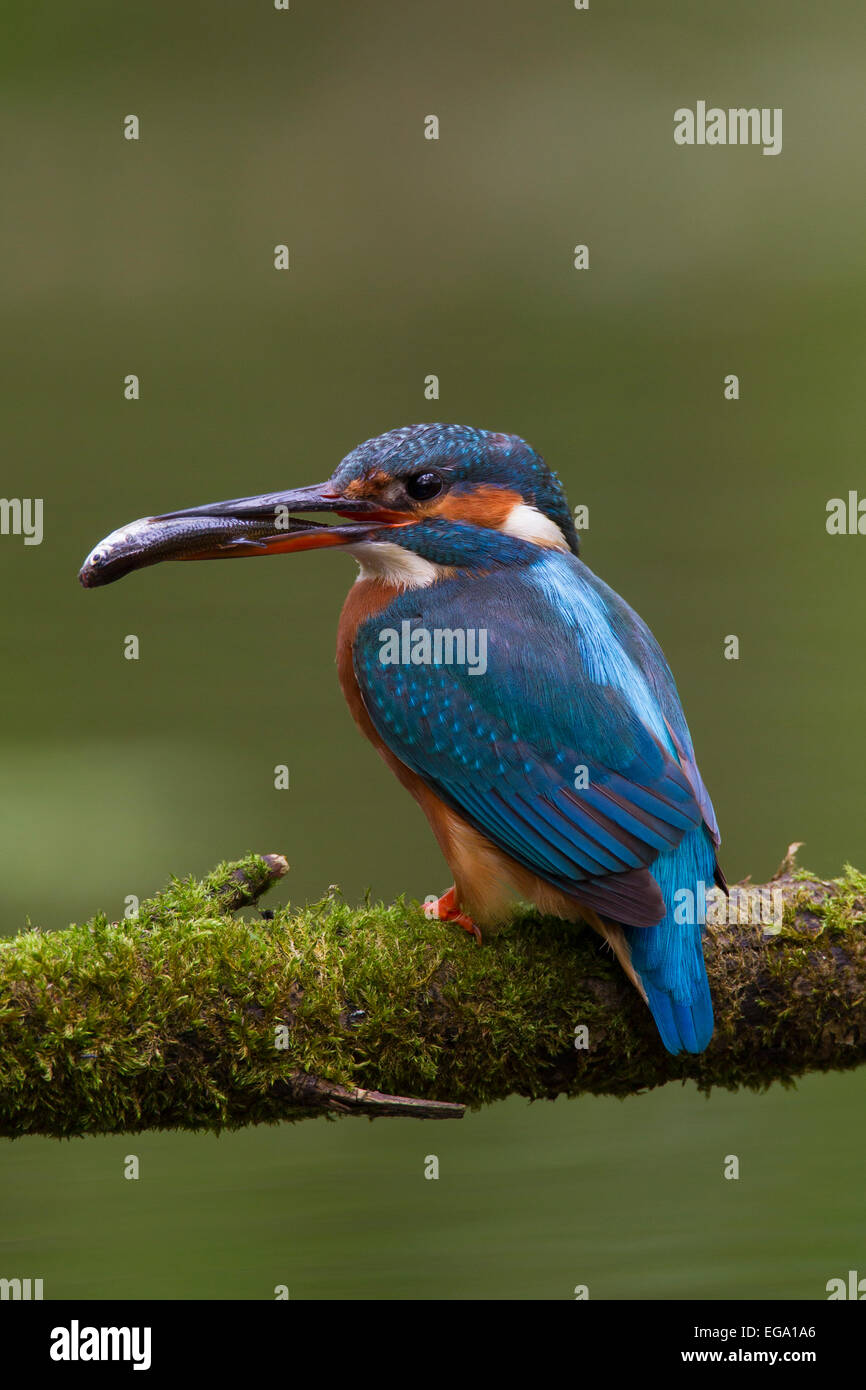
(412, 257)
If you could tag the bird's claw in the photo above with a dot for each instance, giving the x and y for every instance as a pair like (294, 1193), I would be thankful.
(446, 909)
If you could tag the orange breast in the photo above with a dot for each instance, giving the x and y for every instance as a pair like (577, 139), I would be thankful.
(365, 600)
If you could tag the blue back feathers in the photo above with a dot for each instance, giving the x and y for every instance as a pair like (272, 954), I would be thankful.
(574, 678)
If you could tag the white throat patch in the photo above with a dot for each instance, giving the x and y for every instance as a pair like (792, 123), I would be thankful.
(394, 565)
(529, 524)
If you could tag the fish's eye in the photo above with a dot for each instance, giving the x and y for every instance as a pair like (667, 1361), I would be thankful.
(422, 486)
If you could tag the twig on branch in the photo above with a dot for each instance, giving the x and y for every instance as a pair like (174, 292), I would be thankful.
(311, 1092)
(245, 885)
(189, 1018)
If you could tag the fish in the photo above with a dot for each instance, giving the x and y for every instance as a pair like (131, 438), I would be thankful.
(179, 536)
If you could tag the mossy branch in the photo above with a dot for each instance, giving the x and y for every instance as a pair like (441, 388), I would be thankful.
(189, 1018)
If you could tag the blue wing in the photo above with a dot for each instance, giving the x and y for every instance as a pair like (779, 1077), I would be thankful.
(573, 680)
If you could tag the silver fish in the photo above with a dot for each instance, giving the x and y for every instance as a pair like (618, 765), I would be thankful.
(155, 538)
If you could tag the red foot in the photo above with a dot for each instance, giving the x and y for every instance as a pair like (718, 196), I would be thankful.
(447, 910)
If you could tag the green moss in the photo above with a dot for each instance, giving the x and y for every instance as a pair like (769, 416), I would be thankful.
(812, 987)
(170, 1020)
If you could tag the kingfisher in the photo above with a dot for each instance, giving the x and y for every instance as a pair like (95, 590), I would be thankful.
(523, 704)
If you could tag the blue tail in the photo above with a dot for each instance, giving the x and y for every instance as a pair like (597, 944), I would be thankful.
(669, 957)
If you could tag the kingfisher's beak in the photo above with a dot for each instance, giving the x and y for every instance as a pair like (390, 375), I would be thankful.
(268, 524)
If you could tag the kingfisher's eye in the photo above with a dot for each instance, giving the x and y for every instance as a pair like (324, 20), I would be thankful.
(422, 486)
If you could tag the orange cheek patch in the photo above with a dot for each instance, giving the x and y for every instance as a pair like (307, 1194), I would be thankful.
(484, 506)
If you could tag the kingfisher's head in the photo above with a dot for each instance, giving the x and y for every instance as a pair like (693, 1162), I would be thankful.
(420, 501)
